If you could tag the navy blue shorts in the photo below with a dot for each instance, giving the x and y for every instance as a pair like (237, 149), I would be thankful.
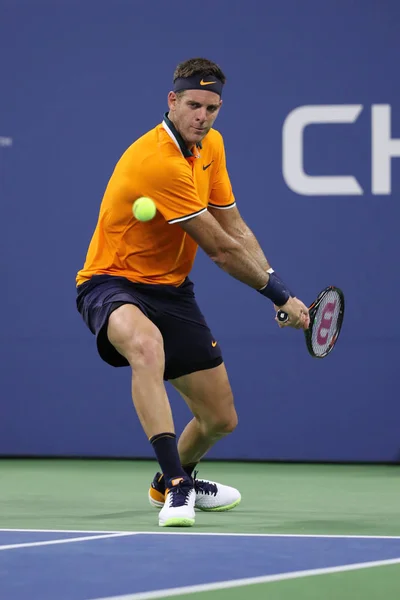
(188, 343)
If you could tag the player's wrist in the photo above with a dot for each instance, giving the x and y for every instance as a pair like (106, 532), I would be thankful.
(275, 290)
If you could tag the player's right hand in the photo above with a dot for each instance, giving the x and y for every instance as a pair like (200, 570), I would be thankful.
(297, 312)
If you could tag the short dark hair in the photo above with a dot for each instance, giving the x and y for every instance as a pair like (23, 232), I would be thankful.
(198, 66)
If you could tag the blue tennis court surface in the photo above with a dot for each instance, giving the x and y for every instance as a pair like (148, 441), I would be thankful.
(50, 565)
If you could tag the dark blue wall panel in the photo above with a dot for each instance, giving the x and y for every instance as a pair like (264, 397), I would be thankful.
(78, 82)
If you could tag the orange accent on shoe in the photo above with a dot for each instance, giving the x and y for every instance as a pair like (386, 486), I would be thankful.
(156, 495)
(176, 481)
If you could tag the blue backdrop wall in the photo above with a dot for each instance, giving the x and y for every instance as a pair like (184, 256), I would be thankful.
(79, 81)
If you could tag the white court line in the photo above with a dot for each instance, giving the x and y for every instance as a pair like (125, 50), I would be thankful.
(64, 541)
(208, 533)
(63, 530)
(279, 535)
(220, 585)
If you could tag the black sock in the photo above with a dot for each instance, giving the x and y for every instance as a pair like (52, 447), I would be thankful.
(166, 450)
(189, 468)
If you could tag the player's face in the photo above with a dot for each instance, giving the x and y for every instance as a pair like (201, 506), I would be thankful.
(193, 113)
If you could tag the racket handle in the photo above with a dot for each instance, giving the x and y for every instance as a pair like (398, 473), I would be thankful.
(282, 316)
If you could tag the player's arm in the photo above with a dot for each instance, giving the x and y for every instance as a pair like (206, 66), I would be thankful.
(223, 208)
(233, 224)
(225, 251)
(236, 260)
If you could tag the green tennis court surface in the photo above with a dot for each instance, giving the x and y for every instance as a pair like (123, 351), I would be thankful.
(332, 518)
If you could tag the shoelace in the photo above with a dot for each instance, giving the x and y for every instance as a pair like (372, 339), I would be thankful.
(179, 494)
(204, 487)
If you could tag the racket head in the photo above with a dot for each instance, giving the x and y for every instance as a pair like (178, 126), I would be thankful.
(326, 319)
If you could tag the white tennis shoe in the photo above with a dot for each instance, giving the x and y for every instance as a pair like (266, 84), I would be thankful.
(178, 509)
(212, 496)
(209, 495)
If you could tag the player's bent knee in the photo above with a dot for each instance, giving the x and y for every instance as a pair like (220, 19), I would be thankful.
(223, 425)
(230, 424)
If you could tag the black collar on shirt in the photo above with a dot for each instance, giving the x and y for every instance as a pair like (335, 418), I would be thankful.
(184, 149)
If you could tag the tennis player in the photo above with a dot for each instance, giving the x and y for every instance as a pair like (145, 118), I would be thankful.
(135, 295)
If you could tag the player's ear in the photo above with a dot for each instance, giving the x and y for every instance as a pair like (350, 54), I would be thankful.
(172, 98)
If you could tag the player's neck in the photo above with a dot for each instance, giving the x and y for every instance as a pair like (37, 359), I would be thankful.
(188, 145)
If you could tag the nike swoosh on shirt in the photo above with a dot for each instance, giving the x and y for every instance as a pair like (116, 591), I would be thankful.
(206, 166)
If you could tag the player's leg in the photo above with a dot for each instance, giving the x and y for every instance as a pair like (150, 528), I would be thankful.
(139, 341)
(116, 313)
(209, 397)
(136, 338)
(194, 364)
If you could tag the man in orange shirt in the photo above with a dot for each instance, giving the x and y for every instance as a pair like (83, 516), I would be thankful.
(135, 295)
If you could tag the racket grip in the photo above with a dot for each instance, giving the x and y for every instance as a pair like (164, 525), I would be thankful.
(282, 316)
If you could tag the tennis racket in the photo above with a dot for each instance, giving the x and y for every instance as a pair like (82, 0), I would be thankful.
(326, 318)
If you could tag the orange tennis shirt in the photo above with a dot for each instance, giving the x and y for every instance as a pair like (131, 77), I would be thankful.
(181, 183)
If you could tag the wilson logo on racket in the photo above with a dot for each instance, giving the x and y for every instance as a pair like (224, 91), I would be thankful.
(326, 318)
(326, 322)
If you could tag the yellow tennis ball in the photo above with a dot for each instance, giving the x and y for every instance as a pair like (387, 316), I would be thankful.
(144, 209)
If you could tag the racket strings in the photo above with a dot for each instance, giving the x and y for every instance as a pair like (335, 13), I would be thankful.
(326, 324)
